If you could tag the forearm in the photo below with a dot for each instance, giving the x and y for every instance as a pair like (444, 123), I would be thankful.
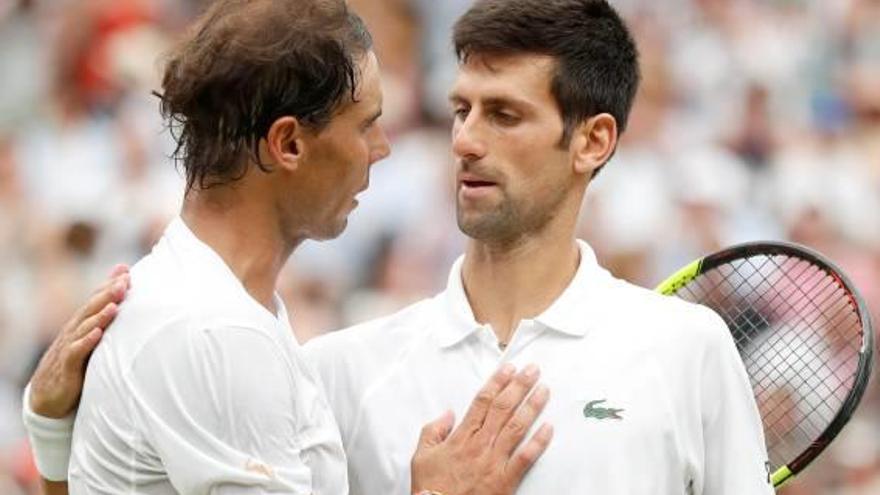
(51, 397)
(53, 487)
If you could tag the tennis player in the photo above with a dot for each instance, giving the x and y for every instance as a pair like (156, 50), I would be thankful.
(649, 394)
(200, 387)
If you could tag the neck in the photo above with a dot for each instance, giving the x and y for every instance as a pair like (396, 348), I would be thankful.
(506, 283)
(245, 233)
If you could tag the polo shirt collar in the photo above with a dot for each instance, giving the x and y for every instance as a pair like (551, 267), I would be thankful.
(565, 315)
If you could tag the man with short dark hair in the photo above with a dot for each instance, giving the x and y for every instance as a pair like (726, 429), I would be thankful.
(649, 395)
(200, 387)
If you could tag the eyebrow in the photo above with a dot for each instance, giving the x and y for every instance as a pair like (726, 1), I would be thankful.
(493, 101)
(374, 116)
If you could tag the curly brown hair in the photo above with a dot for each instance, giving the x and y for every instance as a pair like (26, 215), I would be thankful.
(246, 63)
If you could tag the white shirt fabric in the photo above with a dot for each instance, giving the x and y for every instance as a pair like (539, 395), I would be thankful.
(196, 388)
(689, 423)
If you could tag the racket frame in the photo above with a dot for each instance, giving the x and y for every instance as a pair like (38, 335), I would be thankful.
(685, 275)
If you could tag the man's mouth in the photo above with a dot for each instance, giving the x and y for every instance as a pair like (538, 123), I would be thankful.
(471, 180)
(473, 188)
(477, 183)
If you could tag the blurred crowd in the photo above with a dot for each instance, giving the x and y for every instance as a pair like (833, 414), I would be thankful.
(756, 119)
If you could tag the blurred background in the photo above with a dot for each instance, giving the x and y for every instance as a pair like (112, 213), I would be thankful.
(756, 119)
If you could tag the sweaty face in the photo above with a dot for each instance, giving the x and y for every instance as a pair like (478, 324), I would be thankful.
(339, 157)
(512, 174)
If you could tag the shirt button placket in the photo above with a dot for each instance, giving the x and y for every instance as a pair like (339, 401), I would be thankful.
(489, 351)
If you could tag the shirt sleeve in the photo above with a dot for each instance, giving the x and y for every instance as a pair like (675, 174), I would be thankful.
(735, 461)
(319, 354)
(217, 407)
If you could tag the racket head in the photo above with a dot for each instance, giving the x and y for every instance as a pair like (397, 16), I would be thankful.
(805, 336)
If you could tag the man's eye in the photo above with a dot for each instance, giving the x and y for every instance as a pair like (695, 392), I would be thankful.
(460, 112)
(505, 118)
(369, 124)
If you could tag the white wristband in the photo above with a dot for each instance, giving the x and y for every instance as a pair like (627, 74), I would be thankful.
(49, 438)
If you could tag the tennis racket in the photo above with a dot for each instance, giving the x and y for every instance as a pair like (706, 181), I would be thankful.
(803, 332)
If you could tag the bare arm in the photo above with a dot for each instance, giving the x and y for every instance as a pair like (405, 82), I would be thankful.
(53, 487)
(57, 383)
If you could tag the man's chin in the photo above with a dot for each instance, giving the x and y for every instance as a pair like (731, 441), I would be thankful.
(476, 228)
(329, 231)
(489, 226)
(336, 229)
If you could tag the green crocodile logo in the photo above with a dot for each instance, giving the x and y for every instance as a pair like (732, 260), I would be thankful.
(591, 411)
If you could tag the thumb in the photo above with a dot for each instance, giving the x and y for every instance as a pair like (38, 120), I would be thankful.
(435, 432)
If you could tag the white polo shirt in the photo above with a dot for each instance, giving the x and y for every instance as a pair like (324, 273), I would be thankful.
(196, 388)
(647, 393)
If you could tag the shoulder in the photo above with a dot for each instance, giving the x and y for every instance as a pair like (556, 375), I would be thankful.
(664, 321)
(165, 295)
(687, 344)
(349, 361)
(378, 336)
(165, 321)
(191, 364)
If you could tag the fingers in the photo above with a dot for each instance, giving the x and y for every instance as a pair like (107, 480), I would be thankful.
(436, 431)
(481, 404)
(117, 285)
(507, 402)
(113, 292)
(482, 451)
(519, 424)
(119, 273)
(81, 349)
(118, 270)
(100, 319)
(523, 460)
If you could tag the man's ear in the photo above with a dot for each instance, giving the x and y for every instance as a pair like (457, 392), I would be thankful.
(284, 143)
(593, 142)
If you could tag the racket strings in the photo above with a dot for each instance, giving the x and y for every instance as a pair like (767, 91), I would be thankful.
(823, 296)
(780, 414)
(797, 330)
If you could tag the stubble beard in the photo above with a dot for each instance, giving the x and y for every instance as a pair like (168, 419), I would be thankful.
(495, 225)
(505, 224)
(509, 221)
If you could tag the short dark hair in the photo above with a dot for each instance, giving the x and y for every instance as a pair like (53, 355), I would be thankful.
(243, 65)
(597, 60)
